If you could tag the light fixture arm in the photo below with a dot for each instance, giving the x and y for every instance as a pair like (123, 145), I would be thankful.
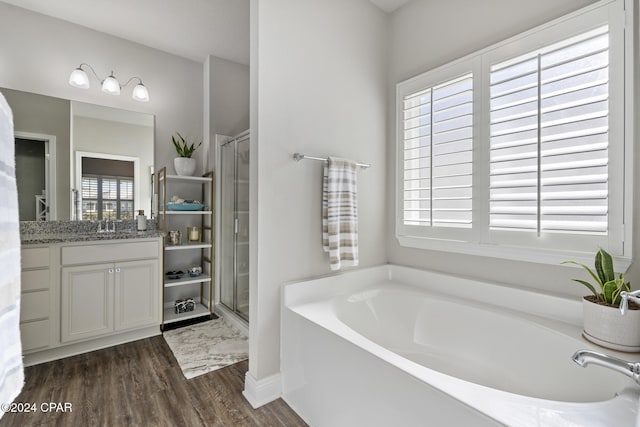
(129, 81)
(100, 79)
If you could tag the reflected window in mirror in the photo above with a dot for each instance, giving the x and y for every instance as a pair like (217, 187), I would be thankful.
(106, 195)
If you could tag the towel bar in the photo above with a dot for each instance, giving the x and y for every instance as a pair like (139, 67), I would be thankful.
(297, 157)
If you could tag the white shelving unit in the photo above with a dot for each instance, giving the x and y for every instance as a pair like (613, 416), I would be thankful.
(170, 316)
(187, 246)
(204, 218)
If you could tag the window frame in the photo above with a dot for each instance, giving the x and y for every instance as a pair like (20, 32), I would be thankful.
(480, 239)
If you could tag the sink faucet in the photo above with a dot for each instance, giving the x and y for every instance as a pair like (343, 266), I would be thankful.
(109, 226)
(624, 300)
(587, 357)
(111, 229)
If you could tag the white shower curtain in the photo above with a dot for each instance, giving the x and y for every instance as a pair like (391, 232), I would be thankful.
(11, 369)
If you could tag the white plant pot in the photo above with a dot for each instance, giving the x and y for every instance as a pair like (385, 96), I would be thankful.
(607, 327)
(184, 166)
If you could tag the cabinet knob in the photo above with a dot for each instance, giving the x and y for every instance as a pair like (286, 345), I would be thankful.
(118, 270)
(110, 270)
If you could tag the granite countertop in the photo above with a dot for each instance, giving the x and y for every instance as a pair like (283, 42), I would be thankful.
(41, 238)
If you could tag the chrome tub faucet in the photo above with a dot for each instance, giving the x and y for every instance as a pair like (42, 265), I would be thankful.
(588, 357)
(625, 297)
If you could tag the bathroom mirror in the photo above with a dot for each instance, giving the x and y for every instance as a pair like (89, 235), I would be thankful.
(80, 161)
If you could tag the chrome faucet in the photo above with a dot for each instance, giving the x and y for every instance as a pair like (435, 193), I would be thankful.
(624, 300)
(107, 228)
(111, 229)
(588, 357)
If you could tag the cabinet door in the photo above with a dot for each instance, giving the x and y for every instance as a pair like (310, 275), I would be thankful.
(136, 299)
(87, 301)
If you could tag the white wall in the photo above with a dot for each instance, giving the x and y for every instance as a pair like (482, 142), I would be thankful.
(426, 34)
(318, 76)
(37, 54)
(226, 106)
(229, 93)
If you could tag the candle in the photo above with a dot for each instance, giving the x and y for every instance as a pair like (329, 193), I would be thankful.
(193, 234)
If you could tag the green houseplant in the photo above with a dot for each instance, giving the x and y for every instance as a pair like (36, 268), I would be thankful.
(603, 323)
(606, 288)
(184, 164)
(182, 147)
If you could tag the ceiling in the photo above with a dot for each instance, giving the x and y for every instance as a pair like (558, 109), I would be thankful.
(389, 5)
(192, 29)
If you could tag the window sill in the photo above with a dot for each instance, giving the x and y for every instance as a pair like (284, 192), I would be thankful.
(513, 253)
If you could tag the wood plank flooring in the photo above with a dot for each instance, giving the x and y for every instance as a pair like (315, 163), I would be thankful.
(140, 384)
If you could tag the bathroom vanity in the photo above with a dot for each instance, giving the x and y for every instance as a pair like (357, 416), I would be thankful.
(85, 291)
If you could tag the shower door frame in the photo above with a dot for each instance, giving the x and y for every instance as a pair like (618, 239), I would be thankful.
(235, 140)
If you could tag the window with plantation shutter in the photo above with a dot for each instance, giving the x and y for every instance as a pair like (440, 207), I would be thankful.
(549, 138)
(523, 150)
(438, 154)
(105, 197)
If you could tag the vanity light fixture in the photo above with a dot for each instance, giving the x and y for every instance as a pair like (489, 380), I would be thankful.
(110, 84)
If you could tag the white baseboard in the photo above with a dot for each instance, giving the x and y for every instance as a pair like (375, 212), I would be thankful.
(261, 392)
(73, 349)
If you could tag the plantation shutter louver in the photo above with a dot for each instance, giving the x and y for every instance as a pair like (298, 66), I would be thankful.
(89, 187)
(549, 135)
(438, 155)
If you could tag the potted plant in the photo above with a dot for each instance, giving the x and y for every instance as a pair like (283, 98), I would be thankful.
(184, 164)
(603, 322)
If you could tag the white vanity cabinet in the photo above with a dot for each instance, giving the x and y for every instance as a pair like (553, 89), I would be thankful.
(37, 308)
(136, 294)
(87, 301)
(108, 287)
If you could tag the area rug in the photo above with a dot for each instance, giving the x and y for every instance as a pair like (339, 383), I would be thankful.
(205, 347)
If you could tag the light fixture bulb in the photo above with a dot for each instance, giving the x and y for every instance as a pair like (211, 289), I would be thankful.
(140, 93)
(111, 85)
(79, 78)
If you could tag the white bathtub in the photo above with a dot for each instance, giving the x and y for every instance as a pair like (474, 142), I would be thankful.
(396, 346)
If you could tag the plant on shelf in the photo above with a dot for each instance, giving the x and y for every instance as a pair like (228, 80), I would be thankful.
(184, 164)
(182, 147)
(606, 283)
(603, 322)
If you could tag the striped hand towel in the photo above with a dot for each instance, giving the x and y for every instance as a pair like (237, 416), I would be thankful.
(340, 212)
(11, 371)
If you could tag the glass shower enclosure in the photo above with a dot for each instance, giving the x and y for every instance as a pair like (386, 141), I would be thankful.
(234, 221)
